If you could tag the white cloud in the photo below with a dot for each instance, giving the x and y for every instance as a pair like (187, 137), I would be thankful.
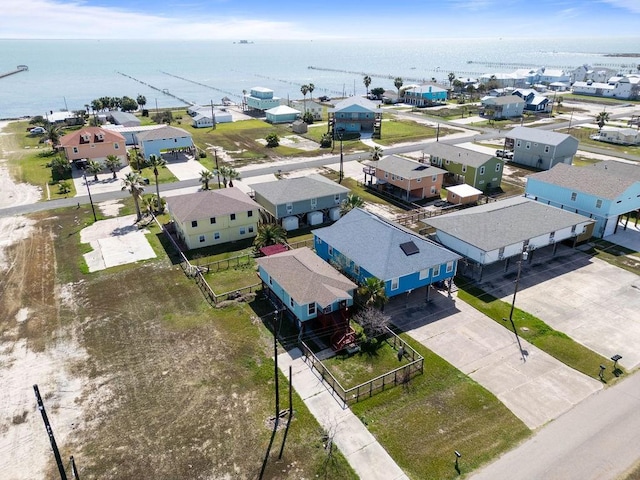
(56, 19)
(631, 5)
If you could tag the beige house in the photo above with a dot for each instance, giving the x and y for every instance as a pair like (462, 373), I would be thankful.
(212, 217)
(94, 143)
(309, 106)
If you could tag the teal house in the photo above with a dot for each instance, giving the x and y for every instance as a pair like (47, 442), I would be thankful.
(476, 169)
(304, 285)
(260, 98)
(161, 140)
(425, 95)
(282, 114)
(355, 115)
(365, 245)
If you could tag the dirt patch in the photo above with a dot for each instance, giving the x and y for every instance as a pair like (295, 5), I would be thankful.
(12, 230)
(110, 208)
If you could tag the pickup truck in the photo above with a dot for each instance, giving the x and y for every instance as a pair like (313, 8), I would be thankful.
(504, 154)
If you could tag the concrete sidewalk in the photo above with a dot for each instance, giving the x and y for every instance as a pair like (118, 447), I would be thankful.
(363, 452)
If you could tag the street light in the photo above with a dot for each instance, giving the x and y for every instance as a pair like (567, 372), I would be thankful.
(84, 175)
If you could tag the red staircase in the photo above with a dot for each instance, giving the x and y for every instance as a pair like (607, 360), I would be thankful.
(342, 335)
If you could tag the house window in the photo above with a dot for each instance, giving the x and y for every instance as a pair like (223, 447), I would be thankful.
(250, 213)
(250, 229)
(482, 170)
(314, 202)
(573, 228)
(464, 168)
(330, 251)
(419, 179)
(528, 145)
(311, 309)
(395, 282)
(336, 198)
(216, 236)
(574, 195)
(501, 253)
(212, 220)
(446, 162)
(433, 190)
(386, 174)
(116, 146)
(270, 280)
(434, 178)
(291, 302)
(194, 223)
(75, 149)
(518, 143)
(327, 309)
(201, 238)
(232, 216)
(449, 267)
(436, 271)
(546, 149)
(93, 145)
(423, 274)
(497, 167)
(598, 203)
(289, 207)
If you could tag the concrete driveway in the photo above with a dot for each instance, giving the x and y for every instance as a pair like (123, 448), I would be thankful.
(592, 301)
(535, 386)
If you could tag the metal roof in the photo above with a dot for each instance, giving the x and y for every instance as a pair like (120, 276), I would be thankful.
(503, 223)
(375, 245)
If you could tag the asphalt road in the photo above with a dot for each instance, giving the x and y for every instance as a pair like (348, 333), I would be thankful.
(599, 439)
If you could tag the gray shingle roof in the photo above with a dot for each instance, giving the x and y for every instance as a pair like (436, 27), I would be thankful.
(163, 133)
(592, 180)
(297, 189)
(456, 154)
(507, 100)
(209, 203)
(374, 244)
(306, 277)
(354, 104)
(507, 222)
(546, 137)
(406, 168)
(619, 169)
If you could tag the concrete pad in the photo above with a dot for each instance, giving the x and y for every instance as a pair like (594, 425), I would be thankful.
(363, 452)
(490, 354)
(596, 304)
(184, 167)
(629, 238)
(351, 169)
(115, 241)
(105, 183)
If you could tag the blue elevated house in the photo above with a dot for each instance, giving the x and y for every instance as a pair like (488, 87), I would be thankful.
(165, 139)
(604, 192)
(312, 292)
(365, 245)
(425, 95)
(353, 116)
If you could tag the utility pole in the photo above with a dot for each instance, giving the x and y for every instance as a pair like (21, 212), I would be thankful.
(276, 420)
(286, 430)
(215, 154)
(74, 470)
(213, 117)
(93, 209)
(52, 439)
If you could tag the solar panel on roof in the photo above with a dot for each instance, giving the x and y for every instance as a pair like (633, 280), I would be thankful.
(421, 167)
(409, 248)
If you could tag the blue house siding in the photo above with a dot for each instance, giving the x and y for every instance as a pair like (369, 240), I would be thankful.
(305, 206)
(155, 147)
(406, 283)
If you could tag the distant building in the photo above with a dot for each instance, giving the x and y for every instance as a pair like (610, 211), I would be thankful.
(535, 102)
(617, 135)
(425, 95)
(163, 140)
(540, 148)
(261, 98)
(205, 116)
(125, 119)
(309, 106)
(507, 106)
(355, 115)
(282, 114)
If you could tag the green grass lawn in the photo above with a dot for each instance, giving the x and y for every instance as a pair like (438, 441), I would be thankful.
(443, 410)
(536, 332)
(234, 278)
(363, 366)
(615, 254)
(398, 131)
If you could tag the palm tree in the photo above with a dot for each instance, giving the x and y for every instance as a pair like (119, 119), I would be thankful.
(376, 154)
(311, 88)
(305, 89)
(269, 234)
(451, 77)
(53, 134)
(155, 162)
(232, 175)
(352, 201)
(601, 119)
(113, 163)
(229, 174)
(133, 183)
(142, 100)
(205, 177)
(367, 81)
(94, 168)
(398, 84)
(372, 292)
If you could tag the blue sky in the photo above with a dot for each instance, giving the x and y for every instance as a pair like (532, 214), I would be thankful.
(315, 19)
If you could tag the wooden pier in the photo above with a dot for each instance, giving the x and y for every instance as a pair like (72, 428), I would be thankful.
(19, 68)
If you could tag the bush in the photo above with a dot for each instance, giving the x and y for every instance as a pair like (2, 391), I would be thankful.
(325, 141)
(272, 140)
(308, 118)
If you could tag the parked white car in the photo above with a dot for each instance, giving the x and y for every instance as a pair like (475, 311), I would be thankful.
(37, 131)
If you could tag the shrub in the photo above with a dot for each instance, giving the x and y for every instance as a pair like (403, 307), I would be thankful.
(272, 140)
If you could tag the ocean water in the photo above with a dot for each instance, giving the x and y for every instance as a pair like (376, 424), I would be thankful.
(67, 74)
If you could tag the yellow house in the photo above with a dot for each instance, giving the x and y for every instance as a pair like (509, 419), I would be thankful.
(212, 217)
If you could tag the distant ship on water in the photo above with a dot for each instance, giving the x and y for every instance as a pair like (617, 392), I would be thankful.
(244, 42)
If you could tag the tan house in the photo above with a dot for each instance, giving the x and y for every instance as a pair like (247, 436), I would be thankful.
(462, 194)
(406, 178)
(212, 217)
(94, 143)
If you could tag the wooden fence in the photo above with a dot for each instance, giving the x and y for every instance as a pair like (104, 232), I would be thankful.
(395, 377)
(226, 263)
(300, 244)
